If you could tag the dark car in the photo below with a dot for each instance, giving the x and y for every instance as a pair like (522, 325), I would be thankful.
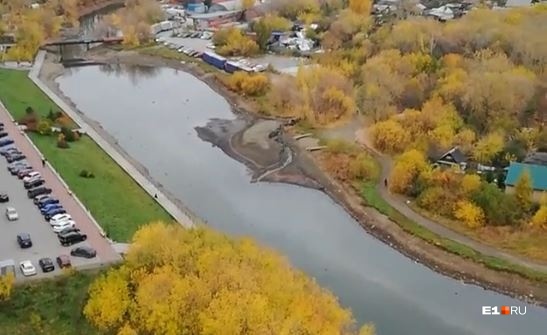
(46, 200)
(5, 141)
(8, 150)
(34, 183)
(49, 214)
(68, 230)
(46, 264)
(50, 208)
(13, 168)
(4, 197)
(63, 261)
(71, 238)
(15, 157)
(52, 212)
(38, 191)
(85, 252)
(3, 134)
(24, 240)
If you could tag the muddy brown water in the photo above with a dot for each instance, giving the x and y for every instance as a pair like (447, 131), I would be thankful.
(152, 113)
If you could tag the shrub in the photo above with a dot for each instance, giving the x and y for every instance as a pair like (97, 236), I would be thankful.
(68, 133)
(61, 142)
(44, 127)
(471, 214)
(248, 84)
(86, 174)
(234, 42)
(438, 200)
(362, 167)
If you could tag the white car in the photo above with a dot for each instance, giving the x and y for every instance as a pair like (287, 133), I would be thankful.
(56, 219)
(11, 213)
(27, 268)
(63, 225)
(32, 175)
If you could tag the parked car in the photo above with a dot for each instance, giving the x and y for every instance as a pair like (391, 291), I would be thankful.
(38, 191)
(7, 150)
(39, 198)
(3, 134)
(24, 240)
(71, 238)
(5, 141)
(72, 229)
(46, 264)
(33, 183)
(56, 219)
(4, 197)
(27, 268)
(53, 212)
(48, 207)
(11, 214)
(16, 157)
(52, 207)
(47, 200)
(57, 228)
(32, 175)
(85, 252)
(63, 261)
(21, 174)
(14, 168)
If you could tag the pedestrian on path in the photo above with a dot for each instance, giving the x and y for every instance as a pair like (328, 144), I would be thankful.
(155, 196)
(43, 162)
(385, 182)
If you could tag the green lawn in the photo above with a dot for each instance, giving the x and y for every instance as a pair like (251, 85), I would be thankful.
(116, 201)
(48, 307)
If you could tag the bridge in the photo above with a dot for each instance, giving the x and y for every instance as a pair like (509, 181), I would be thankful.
(86, 41)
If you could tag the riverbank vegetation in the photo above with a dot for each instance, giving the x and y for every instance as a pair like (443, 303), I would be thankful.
(175, 281)
(32, 25)
(111, 192)
(477, 84)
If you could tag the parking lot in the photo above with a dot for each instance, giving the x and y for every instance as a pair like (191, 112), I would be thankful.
(44, 240)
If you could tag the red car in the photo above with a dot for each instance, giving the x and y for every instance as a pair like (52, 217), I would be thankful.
(63, 261)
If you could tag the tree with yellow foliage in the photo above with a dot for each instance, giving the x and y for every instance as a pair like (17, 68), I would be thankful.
(488, 147)
(524, 191)
(471, 214)
(470, 183)
(248, 84)
(234, 42)
(196, 281)
(540, 218)
(6, 285)
(407, 168)
(389, 136)
(361, 7)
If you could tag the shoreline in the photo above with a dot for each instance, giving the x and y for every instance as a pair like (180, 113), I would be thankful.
(305, 171)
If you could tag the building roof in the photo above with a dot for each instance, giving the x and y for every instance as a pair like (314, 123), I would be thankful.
(436, 155)
(538, 158)
(538, 175)
(518, 3)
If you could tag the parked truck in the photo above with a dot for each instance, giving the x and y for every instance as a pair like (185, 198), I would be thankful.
(214, 59)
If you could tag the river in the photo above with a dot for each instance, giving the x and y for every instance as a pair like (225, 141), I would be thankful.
(152, 112)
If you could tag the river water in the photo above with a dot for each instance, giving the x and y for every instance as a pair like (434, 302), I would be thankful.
(152, 113)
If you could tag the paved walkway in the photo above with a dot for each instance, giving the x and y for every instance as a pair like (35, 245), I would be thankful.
(400, 203)
(84, 220)
(179, 215)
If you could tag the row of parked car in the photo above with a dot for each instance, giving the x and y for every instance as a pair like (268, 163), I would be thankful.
(204, 35)
(50, 207)
(179, 48)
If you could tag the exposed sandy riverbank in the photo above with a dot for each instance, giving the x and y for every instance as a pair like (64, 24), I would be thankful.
(243, 140)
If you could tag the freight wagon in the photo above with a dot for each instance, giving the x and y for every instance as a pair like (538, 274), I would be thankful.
(214, 59)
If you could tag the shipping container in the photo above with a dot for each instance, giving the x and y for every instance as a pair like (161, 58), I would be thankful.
(214, 59)
(232, 67)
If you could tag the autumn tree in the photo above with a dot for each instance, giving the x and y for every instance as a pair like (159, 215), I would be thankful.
(234, 42)
(524, 191)
(248, 84)
(488, 147)
(469, 213)
(361, 7)
(389, 136)
(264, 27)
(6, 285)
(405, 171)
(540, 217)
(195, 281)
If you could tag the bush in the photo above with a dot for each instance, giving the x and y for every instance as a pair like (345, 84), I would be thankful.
(44, 127)
(438, 200)
(234, 42)
(469, 213)
(248, 84)
(362, 167)
(61, 142)
(52, 116)
(86, 174)
(68, 133)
